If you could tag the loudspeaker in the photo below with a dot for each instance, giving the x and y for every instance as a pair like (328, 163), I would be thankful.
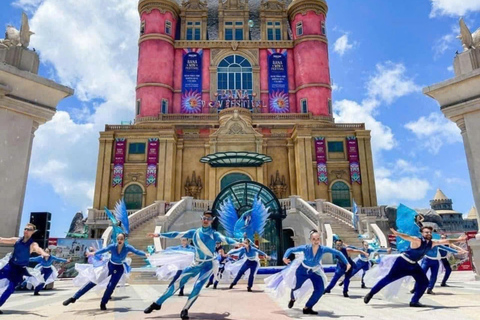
(42, 221)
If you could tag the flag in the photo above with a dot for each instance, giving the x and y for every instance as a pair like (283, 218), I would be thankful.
(354, 215)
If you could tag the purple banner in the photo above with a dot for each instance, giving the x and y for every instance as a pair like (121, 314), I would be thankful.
(278, 81)
(152, 160)
(192, 81)
(118, 161)
(321, 157)
(353, 159)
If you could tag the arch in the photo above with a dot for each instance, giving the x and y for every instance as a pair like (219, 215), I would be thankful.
(233, 173)
(340, 193)
(235, 72)
(244, 53)
(133, 194)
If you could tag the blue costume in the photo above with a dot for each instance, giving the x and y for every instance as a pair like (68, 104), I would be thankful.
(406, 265)
(221, 268)
(307, 270)
(430, 262)
(179, 272)
(362, 263)
(116, 268)
(46, 268)
(341, 270)
(16, 267)
(251, 263)
(446, 265)
(204, 240)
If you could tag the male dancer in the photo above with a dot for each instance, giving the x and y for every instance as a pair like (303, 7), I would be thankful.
(16, 267)
(204, 239)
(406, 264)
(184, 246)
(342, 267)
(46, 269)
(363, 264)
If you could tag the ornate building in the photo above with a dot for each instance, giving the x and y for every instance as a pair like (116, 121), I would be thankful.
(451, 220)
(233, 90)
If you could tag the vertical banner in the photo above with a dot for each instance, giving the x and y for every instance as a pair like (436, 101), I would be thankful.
(278, 81)
(118, 161)
(192, 81)
(353, 159)
(321, 157)
(152, 160)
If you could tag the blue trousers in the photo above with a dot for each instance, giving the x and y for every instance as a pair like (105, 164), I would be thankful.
(249, 264)
(303, 274)
(221, 269)
(116, 272)
(448, 270)
(177, 275)
(14, 274)
(339, 272)
(359, 265)
(402, 268)
(46, 272)
(203, 270)
(433, 265)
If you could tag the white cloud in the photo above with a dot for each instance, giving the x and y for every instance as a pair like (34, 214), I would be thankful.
(447, 42)
(450, 68)
(95, 54)
(27, 5)
(336, 87)
(403, 166)
(453, 7)
(342, 45)
(434, 131)
(406, 188)
(390, 82)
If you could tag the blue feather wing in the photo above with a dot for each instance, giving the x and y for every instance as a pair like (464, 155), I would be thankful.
(228, 217)
(406, 224)
(260, 215)
(111, 216)
(122, 215)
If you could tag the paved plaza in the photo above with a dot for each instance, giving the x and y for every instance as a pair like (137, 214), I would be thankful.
(460, 301)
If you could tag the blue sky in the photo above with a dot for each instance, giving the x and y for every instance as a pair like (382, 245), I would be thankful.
(382, 53)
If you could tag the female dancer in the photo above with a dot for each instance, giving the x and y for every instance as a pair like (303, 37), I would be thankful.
(14, 266)
(302, 269)
(112, 272)
(249, 259)
(222, 260)
(49, 272)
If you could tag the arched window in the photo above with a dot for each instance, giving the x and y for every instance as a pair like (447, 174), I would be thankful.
(233, 177)
(341, 194)
(133, 197)
(235, 73)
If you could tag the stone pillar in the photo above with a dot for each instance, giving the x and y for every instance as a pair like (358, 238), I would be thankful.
(26, 102)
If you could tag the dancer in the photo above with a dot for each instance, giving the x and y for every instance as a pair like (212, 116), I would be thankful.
(249, 259)
(341, 268)
(48, 271)
(204, 239)
(222, 259)
(172, 261)
(362, 263)
(406, 264)
(116, 271)
(305, 267)
(14, 266)
(444, 260)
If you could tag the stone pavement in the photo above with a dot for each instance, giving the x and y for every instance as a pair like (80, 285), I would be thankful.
(460, 301)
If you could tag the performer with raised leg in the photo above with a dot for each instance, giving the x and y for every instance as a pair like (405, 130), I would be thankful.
(306, 266)
(341, 268)
(204, 240)
(47, 269)
(406, 264)
(248, 256)
(14, 266)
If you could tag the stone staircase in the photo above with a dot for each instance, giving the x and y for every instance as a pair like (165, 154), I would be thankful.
(139, 240)
(345, 232)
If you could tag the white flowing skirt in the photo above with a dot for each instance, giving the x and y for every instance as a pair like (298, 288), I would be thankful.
(33, 282)
(35, 274)
(99, 275)
(169, 262)
(232, 269)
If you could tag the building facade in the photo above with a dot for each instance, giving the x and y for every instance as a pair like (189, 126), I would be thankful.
(233, 90)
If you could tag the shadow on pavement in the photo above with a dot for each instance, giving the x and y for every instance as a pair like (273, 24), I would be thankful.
(96, 312)
(327, 314)
(209, 316)
(24, 313)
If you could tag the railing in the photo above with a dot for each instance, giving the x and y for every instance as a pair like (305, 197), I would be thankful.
(339, 213)
(377, 212)
(101, 215)
(201, 205)
(305, 208)
(179, 208)
(380, 235)
(286, 203)
(176, 117)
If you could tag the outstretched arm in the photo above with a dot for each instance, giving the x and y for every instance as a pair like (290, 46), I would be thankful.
(9, 240)
(339, 255)
(448, 249)
(35, 259)
(290, 251)
(136, 251)
(35, 248)
(222, 238)
(413, 240)
(59, 259)
(173, 234)
(357, 251)
(449, 241)
(460, 249)
(102, 251)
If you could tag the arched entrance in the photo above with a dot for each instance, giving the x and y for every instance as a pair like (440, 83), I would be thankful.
(233, 177)
(133, 197)
(341, 194)
(242, 194)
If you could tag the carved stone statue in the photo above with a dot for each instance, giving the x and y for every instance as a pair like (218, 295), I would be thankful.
(14, 38)
(469, 40)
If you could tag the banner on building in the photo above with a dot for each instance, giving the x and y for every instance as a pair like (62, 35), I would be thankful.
(278, 81)
(118, 161)
(321, 157)
(353, 159)
(192, 81)
(152, 160)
